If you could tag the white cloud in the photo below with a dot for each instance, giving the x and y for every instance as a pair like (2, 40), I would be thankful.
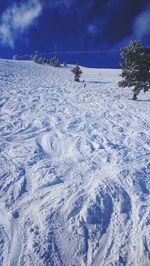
(141, 26)
(17, 19)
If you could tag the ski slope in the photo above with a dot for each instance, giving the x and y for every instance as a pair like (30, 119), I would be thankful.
(74, 168)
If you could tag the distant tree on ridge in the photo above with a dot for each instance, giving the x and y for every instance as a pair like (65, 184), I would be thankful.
(77, 73)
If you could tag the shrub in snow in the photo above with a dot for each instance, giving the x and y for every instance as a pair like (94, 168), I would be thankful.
(77, 73)
(136, 68)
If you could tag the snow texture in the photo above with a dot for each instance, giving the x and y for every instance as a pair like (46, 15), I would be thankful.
(74, 168)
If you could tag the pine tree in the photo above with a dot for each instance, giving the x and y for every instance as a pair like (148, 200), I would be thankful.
(77, 73)
(57, 63)
(44, 60)
(136, 68)
(53, 61)
(47, 61)
(36, 57)
(40, 60)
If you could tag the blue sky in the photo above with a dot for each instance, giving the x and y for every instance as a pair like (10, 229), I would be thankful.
(89, 32)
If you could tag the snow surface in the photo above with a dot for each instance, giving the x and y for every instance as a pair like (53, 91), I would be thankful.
(74, 168)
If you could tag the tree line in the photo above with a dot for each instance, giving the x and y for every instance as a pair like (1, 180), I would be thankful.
(37, 58)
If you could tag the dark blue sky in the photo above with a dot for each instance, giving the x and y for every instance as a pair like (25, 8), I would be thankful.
(69, 26)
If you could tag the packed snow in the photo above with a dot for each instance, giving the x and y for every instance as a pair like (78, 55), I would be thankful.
(74, 168)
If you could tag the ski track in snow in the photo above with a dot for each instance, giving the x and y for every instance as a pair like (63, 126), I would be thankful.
(74, 169)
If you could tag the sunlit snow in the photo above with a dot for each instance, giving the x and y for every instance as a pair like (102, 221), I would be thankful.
(74, 168)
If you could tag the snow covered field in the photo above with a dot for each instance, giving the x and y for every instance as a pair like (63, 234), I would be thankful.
(74, 168)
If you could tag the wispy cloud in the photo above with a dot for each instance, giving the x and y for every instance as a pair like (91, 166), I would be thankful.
(16, 19)
(141, 26)
(140, 29)
(97, 26)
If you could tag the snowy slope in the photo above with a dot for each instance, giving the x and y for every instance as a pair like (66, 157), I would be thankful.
(74, 169)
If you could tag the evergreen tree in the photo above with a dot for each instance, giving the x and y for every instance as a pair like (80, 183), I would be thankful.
(36, 57)
(57, 63)
(77, 73)
(53, 61)
(40, 60)
(47, 61)
(136, 68)
(44, 60)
